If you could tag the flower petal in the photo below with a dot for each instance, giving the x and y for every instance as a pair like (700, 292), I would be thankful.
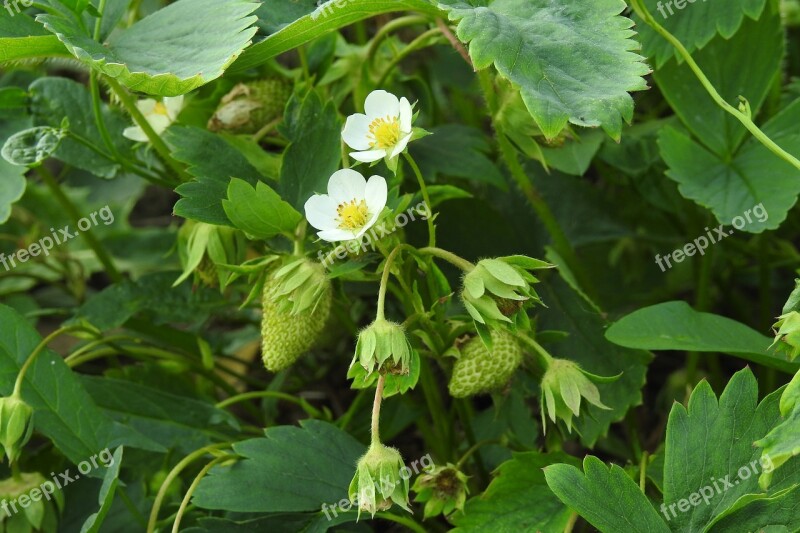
(355, 132)
(406, 115)
(400, 146)
(174, 105)
(369, 156)
(334, 235)
(146, 106)
(381, 104)
(159, 123)
(135, 133)
(346, 185)
(321, 211)
(375, 194)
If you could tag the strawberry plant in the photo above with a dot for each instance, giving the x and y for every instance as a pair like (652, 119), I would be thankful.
(407, 265)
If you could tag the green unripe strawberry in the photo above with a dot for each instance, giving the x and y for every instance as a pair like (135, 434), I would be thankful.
(479, 370)
(250, 106)
(286, 336)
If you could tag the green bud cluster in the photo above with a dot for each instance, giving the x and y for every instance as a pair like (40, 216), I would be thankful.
(15, 425)
(40, 512)
(563, 385)
(379, 481)
(496, 289)
(383, 345)
(443, 490)
(787, 336)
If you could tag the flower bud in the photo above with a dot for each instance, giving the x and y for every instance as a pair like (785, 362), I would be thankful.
(443, 489)
(15, 425)
(383, 345)
(787, 336)
(379, 481)
(41, 514)
(496, 289)
(563, 385)
(251, 106)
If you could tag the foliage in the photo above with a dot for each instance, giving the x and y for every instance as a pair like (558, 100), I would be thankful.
(400, 265)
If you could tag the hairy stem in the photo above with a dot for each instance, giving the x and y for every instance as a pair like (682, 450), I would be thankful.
(744, 118)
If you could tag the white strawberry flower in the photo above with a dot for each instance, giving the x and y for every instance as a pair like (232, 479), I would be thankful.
(350, 208)
(160, 115)
(383, 131)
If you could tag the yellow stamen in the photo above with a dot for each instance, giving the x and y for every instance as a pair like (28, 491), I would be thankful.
(385, 132)
(352, 215)
(160, 109)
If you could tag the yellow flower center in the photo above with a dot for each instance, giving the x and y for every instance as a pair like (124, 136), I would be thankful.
(352, 215)
(385, 131)
(160, 109)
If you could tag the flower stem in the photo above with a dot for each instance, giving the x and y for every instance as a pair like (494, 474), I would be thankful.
(39, 349)
(426, 197)
(560, 241)
(388, 28)
(450, 257)
(542, 355)
(186, 461)
(403, 521)
(376, 411)
(97, 247)
(643, 471)
(307, 407)
(188, 496)
(158, 143)
(420, 42)
(474, 448)
(387, 270)
(641, 10)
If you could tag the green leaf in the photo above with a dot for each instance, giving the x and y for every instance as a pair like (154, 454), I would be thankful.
(23, 38)
(32, 146)
(676, 326)
(607, 498)
(571, 59)
(106, 496)
(171, 52)
(576, 155)
(328, 17)
(53, 99)
(259, 212)
(783, 442)
(586, 345)
(694, 24)
(457, 151)
(202, 199)
(152, 296)
(711, 441)
(12, 177)
(289, 469)
(314, 154)
(735, 68)
(507, 504)
(63, 410)
(173, 421)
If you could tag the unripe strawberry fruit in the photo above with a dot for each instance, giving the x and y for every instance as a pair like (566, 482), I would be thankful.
(480, 371)
(286, 336)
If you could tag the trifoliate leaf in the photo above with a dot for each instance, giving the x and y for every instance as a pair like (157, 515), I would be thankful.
(573, 60)
(259, 211)
(171, 52)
